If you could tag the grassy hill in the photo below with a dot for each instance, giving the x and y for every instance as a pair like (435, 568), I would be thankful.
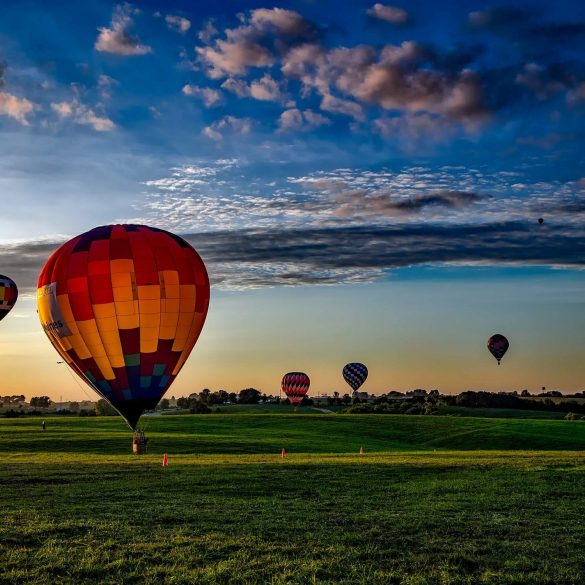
(434, 500)
(268, 433)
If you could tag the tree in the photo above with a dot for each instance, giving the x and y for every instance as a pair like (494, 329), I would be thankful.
(40, 402)
(183, 402)
(103, 408)
(249, 396)
(164, 403)
(74, 406)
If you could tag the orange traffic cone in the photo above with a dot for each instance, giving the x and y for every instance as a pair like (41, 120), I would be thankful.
(361, 450)
(283, 453)
(165, 460)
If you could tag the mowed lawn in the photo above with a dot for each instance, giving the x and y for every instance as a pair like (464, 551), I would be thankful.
(433, 500)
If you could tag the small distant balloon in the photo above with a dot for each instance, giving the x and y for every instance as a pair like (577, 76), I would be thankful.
(295, 385)
(498, 346)
(355, 374)
(540, 220)
(8, 295)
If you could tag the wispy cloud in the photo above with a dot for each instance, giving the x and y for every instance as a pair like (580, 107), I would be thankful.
(14, 107)
(178, 23)
(209, 96)
(82, 114)
(116, 38)
(227, 124)
(295, 119)
(391, 14)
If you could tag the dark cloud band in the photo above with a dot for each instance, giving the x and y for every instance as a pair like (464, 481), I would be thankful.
(271, 257)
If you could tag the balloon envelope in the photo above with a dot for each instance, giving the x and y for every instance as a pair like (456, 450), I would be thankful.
(8, 295)
(124, 305)
(295, 385)
(498, 346)
(355, 374)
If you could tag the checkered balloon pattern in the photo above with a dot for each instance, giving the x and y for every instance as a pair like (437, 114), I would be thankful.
(355, 374)
(498, 346)
(295, 385)
(124, 305)
(8, 295)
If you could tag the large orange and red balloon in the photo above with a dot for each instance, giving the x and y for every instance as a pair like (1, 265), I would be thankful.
(124, 305)
(8, 295)
(498, 346)
(295, 385)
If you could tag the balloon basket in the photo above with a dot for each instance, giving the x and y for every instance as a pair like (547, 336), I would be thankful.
(139, 443)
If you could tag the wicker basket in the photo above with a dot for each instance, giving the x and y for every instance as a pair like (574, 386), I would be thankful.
(139, 442)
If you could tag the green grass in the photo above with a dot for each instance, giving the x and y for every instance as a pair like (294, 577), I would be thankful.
(499, 412)
(443, 500)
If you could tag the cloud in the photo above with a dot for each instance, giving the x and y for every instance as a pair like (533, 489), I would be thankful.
(192, 200)
(390, 14)
(498, 18)
(336, 105)
(266, 89)
(178, 23)
(15, 107)
(397, 77)
(209, 96)
(256, 43)
(413, 130)
(303, 121)
(207, 33)
(577, 95)
(321, 256)
(406, 78)
(545, 82)
(362, 203)
(83, 115)
(116, 39)
(227, 123)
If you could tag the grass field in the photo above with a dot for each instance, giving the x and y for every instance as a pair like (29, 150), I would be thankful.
(444, 500)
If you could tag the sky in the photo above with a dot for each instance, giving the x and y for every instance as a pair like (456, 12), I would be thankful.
(363, 181)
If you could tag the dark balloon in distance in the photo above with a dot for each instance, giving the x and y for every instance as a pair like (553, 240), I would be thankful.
(498, 346)
(540, 220)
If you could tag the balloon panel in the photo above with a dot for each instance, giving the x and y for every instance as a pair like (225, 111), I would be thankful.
(8, 295)
(124, 305)
(355, 374)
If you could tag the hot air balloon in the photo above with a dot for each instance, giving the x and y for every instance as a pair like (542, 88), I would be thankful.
(124, 305)
(498, 346)
(355, 375)
(540, 220)
(295, 385)
(8, 295)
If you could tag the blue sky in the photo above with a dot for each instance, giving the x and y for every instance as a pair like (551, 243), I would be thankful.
(319, 155)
